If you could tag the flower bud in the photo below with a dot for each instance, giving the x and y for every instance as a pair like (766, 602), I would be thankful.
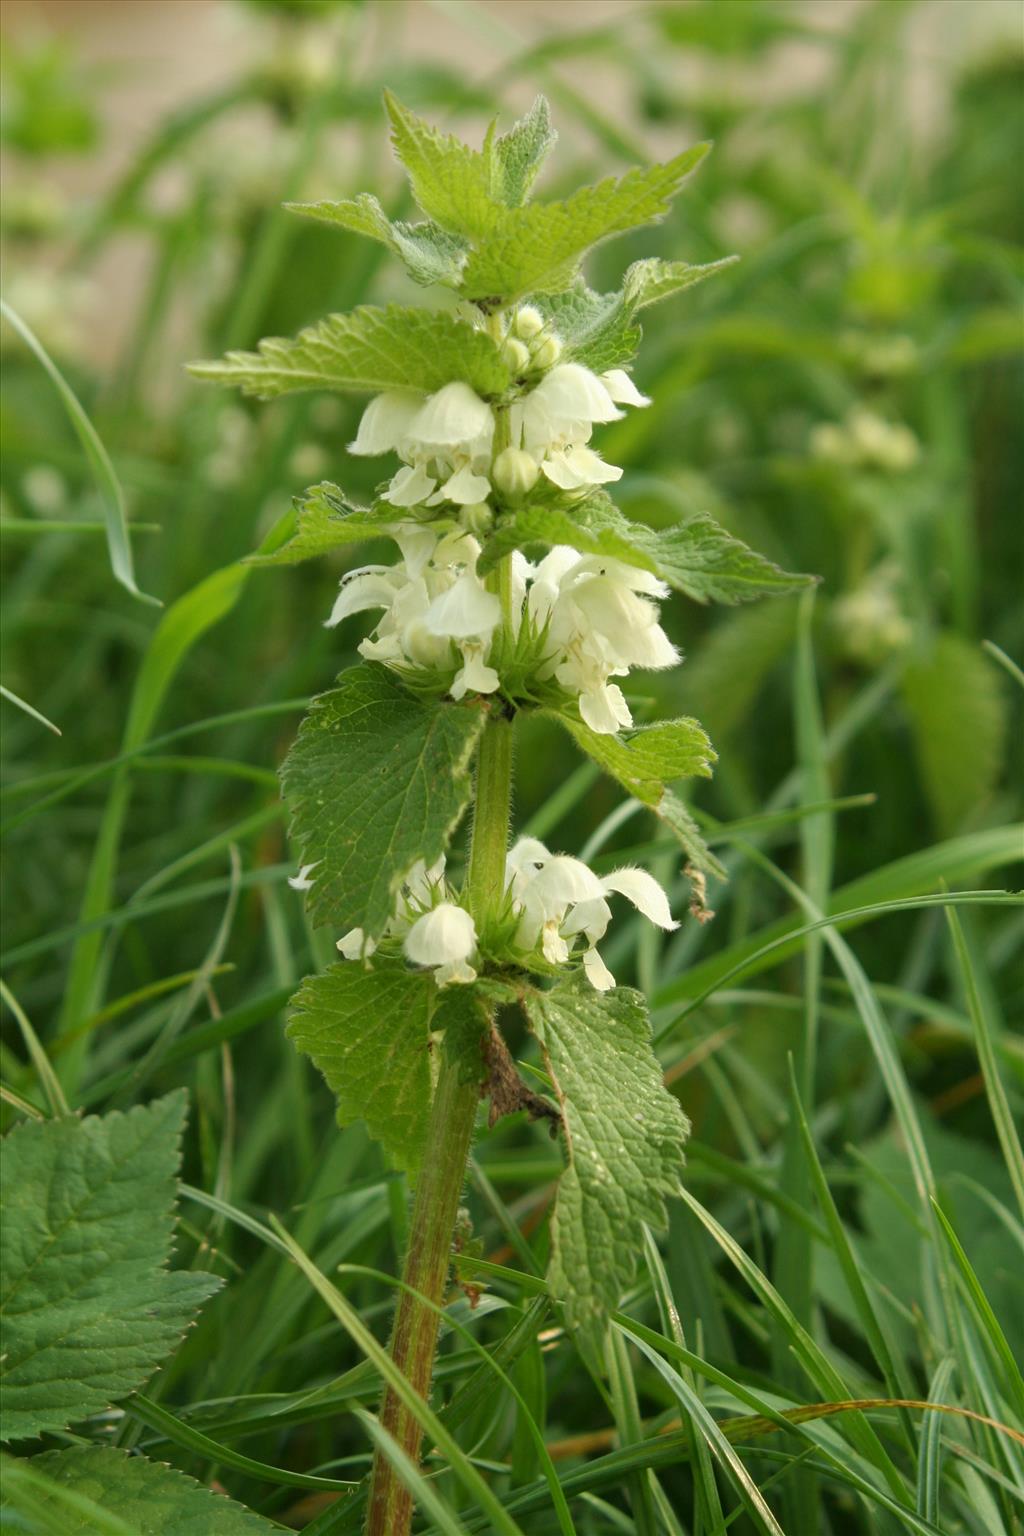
(547, 351)
(515, 473)
(477, 518)
(529, 322)
(515, 355)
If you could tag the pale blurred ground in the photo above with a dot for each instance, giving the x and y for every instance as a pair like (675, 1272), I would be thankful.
(155, 55)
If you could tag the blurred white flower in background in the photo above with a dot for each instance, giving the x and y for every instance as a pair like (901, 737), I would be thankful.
(866, 440)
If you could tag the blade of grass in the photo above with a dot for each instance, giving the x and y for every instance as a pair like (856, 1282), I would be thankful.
(929, 1466)
(48, 1079)
(166, 1424)
(817, 1366)
(842, 1246)
(423, 1491)
(985, 1036)
(982, 1309)
(709, 1503)
(431, 1425)
(778, 949)
(1006, 662)
(107, 482)
(910, 877)
(29, 709)
(639, 1487)
(179, 629)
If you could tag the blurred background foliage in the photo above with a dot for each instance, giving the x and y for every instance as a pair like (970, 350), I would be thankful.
(847, 398)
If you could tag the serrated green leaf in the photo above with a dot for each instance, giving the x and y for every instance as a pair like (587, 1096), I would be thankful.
(369, 1031)
(671, 810)
(697, 556)
(647, 758)
(595, 329)
(93, 1489)
(369, 349)
(322, 520)
(600, 330)
(958, 713)
(538, 249)
(520, 153)
(377, 779)
(624, 1137)
(651, 280)
(430, 254)
(451, 182)
(644, 761)
(88, 1307)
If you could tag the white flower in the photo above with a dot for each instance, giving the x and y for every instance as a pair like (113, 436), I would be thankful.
(604, 708)
(354, 945)
(559, 900)
(466, 611)
(385, 423)
(371, 586)
(598, 618)
(566, 397)
(465, 488)
(453, 417)
(577, 466)
(622, 389)
(554, 421)
(444, 939)
(301, 881)
(474, 676)
(416, 898)
(597, 973)
(417, 541)
(515, 472)
(528, 321)
(601, 621)
(410, 486)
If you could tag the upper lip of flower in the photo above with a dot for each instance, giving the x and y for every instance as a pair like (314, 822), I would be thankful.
(559, 898)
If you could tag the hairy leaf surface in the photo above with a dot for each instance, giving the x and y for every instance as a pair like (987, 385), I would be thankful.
(600, 330)
(369, 1031)
(645, 761)
(430, 254)
(624, 1140)
(321, 520)
(697, 556)
(69, 1493)
(537, 249)
(451, 182)
(377, 779)
(89, 1307)
(369, 349)
(520, 153)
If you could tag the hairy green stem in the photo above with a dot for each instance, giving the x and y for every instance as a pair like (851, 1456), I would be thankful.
(449, 1133)
(485, 883)
(414, 1335)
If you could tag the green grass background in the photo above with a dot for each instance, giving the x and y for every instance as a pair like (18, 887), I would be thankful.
(852, 1226)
